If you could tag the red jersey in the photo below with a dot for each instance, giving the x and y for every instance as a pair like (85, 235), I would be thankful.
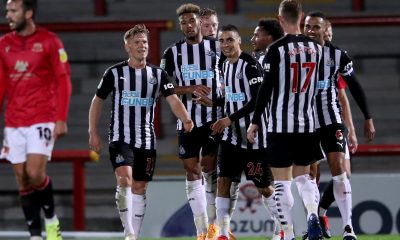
(34, 78)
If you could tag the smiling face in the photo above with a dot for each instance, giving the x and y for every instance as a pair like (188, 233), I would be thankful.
(16, 15)
(314, 28)
(260, 40)
(230, 44)
(190, 25)
(137, 47)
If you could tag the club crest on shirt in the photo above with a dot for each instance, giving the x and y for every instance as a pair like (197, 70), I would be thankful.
(21, 66)
(210, 53)
(63, 55)
(330, 63)
(153, 80)
(37, 47)
(239, 75)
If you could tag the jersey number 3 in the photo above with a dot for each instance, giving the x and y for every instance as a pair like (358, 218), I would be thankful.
(311, 69)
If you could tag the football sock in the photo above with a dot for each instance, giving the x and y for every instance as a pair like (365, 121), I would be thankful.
(138, 211)
(308, 193)
(223, 218)
(45, 196)
(197, 200)
(210, 186)
(342, 192)
(123, 199)
(31, 208)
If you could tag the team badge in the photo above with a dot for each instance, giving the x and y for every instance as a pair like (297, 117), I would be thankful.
(153, 80)
(181, 150)
(37, 47)
(63, 55)
(239, 75)
(21, 66)
(210, 53)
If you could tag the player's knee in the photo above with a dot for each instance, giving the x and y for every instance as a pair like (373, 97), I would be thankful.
(124, 181)
(139, 187)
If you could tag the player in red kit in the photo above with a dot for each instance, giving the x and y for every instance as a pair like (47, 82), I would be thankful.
(35, 84)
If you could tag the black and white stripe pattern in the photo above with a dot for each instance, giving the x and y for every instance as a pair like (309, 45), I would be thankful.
(334, 62)
(134, 93)
(292, 102)
(242, 81)
(195, 64)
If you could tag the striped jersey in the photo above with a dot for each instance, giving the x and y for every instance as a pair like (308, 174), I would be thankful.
(290, 79)
(195, 64)
(335, 62)
(242, 80)
(134, 95)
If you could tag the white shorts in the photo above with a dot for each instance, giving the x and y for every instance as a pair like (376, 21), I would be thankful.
(35, 139)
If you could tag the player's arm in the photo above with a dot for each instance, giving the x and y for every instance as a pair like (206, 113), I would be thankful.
(348, 118)
(168, 91)
(359, 96)
(271, 77)
(95, 110)
(3, 85)
(103, 90)
(61, 69)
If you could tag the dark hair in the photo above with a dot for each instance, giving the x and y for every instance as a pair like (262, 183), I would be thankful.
(272, 27)
(207, 12)
(28, 5)
(138, 28)
(290, 10)
(188, 8)
(316, 14)
(230, 27)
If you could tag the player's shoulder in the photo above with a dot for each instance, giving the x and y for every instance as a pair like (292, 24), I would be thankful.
(248, 58)
(152, 66)
(334, 46)
(211, 39)
(8, 37)
(46, 34)
(116, 66)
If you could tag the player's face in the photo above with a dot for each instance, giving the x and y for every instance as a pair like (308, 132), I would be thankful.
(16, 15)
(209, 26)
(314, 28)
(328, 34)
(137, 47)
(230, 43)
(190, 25)
(260, 40)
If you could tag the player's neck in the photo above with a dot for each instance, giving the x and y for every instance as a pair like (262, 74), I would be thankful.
(137, 64)
(195, 40)
(235, 57)
(293, 29)
(29, 29)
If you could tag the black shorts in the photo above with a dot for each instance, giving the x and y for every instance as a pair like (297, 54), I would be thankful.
(199, 138)
(287, 149)
(233, 160)
(142, 161)
(333, 138)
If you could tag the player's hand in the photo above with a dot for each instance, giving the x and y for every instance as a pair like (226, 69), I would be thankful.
(188, 125)
(252, 132)
(220, 125)
(95, 143)
(200, 90)
(369, 130)
(203, 101)
(353, 142)
(60, 129)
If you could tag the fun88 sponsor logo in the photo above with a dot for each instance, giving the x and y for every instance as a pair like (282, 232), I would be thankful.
(131, 98)
(233, 97)
(193, 71)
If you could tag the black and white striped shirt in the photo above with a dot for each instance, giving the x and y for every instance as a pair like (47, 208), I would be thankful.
(195, 64)
(290, 80)
(242, 81)
(134, 95)
(334, 62)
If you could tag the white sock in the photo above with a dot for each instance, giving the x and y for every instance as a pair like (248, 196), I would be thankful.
(314, 180)
(138, 211)
(234, 191)
(223, 218)
(270, 205)
(308, 193)
(123, 199)
(342, 193)
(210, 185)
(284, 202)
(197, 200)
